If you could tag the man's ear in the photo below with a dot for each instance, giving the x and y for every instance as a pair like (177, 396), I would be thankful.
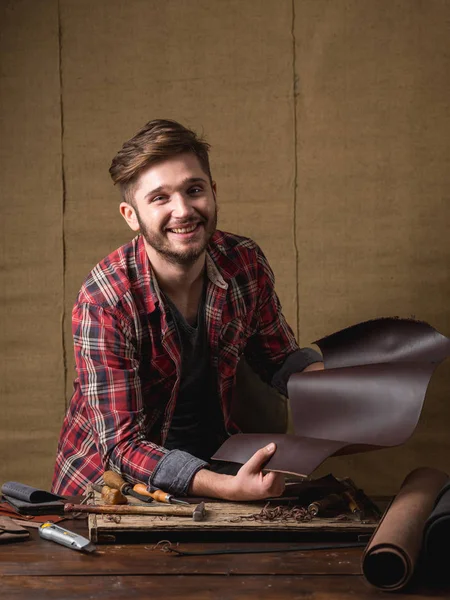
(129, 214)
(214, 189)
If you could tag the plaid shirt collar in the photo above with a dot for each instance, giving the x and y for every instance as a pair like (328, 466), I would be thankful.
(219, 270)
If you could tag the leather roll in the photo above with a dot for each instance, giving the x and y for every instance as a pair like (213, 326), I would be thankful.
(390, 558)
(437, 538)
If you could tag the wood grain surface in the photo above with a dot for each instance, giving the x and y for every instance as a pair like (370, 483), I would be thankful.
(44, 570)
(221, 518)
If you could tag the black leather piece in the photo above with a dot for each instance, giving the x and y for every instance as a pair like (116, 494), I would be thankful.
(27, 493)
(437, 537)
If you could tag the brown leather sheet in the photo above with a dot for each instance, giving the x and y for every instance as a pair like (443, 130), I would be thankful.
(11, 531)
(369, 396)
(391, 555)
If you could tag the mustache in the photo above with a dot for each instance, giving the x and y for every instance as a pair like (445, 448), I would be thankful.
(181, 224)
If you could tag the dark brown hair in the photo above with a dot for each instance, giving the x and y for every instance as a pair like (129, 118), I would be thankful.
(157, 140)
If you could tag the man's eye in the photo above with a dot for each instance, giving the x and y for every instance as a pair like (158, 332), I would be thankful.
(158, 199)
(195, 190)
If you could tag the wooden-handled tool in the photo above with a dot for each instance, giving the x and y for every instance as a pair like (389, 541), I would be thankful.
(115, 481)
(166, 511)
(109, 495)
(158, 495)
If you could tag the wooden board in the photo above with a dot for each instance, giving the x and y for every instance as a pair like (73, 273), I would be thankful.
(222, 518)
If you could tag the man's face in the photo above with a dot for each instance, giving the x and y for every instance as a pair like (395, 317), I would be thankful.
(175, 208)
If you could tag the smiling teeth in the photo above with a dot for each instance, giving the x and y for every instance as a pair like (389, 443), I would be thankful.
(185, 229)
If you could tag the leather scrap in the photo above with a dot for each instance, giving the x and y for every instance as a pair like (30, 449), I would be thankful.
(27, 493)
(11, 532)
(391, 556)
(6, 510)
(369, 396)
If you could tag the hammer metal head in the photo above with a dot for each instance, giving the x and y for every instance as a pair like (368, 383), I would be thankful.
(199, 512)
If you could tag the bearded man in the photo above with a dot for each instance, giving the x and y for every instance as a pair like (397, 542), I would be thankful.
(159, 328)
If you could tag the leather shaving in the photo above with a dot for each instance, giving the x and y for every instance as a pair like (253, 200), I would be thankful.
(113, 518)
(270, 513)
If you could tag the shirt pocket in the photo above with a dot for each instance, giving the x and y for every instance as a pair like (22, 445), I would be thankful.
(232, 341)
(157, 371)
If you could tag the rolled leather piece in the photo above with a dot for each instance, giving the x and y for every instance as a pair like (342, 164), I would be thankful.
(436, 539)
(391, 555)
(369, 396)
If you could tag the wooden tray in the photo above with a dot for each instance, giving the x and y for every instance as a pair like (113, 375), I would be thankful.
(223, 521)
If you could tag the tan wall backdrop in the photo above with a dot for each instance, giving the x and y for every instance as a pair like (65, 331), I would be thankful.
(330, 129)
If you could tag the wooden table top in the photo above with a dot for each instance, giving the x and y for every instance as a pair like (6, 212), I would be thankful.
(38, 568)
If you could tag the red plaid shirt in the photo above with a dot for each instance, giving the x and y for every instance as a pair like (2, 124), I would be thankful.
(128, 356)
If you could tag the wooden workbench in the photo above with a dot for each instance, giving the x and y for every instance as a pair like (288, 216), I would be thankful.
(222, 521)
(39, 569)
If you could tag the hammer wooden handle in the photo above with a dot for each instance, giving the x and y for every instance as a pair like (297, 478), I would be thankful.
(167, 510)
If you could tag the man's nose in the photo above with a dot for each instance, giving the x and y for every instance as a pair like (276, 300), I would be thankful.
(181, 206)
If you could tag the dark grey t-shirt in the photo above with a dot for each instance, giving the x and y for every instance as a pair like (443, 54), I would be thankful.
(197, 424)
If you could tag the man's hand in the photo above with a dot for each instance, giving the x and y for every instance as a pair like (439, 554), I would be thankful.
(318, 366)
(250, 483)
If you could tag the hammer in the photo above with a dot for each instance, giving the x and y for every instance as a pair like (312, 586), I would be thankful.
(198, 514)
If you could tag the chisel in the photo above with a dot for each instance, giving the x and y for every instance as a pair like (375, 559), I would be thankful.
(115, 481)
(158, 495)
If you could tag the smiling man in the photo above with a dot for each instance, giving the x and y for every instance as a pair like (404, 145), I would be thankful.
(159, 328)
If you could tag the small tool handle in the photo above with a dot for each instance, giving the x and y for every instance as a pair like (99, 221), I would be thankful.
(112, 496)
(114, 480)
(157, 495)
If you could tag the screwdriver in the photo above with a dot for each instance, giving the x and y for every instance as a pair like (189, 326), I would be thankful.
(115, 481)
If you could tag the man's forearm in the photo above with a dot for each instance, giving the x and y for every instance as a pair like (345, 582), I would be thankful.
(210, 484)
(250, 483)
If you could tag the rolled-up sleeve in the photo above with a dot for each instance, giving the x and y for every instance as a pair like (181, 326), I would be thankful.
(174, 472)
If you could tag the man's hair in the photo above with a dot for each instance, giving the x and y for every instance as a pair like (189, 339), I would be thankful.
(157, 140)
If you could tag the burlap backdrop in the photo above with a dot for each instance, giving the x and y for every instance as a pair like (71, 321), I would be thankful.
(330, 127)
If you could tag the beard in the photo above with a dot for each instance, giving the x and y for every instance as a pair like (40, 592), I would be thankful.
(159, 242)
